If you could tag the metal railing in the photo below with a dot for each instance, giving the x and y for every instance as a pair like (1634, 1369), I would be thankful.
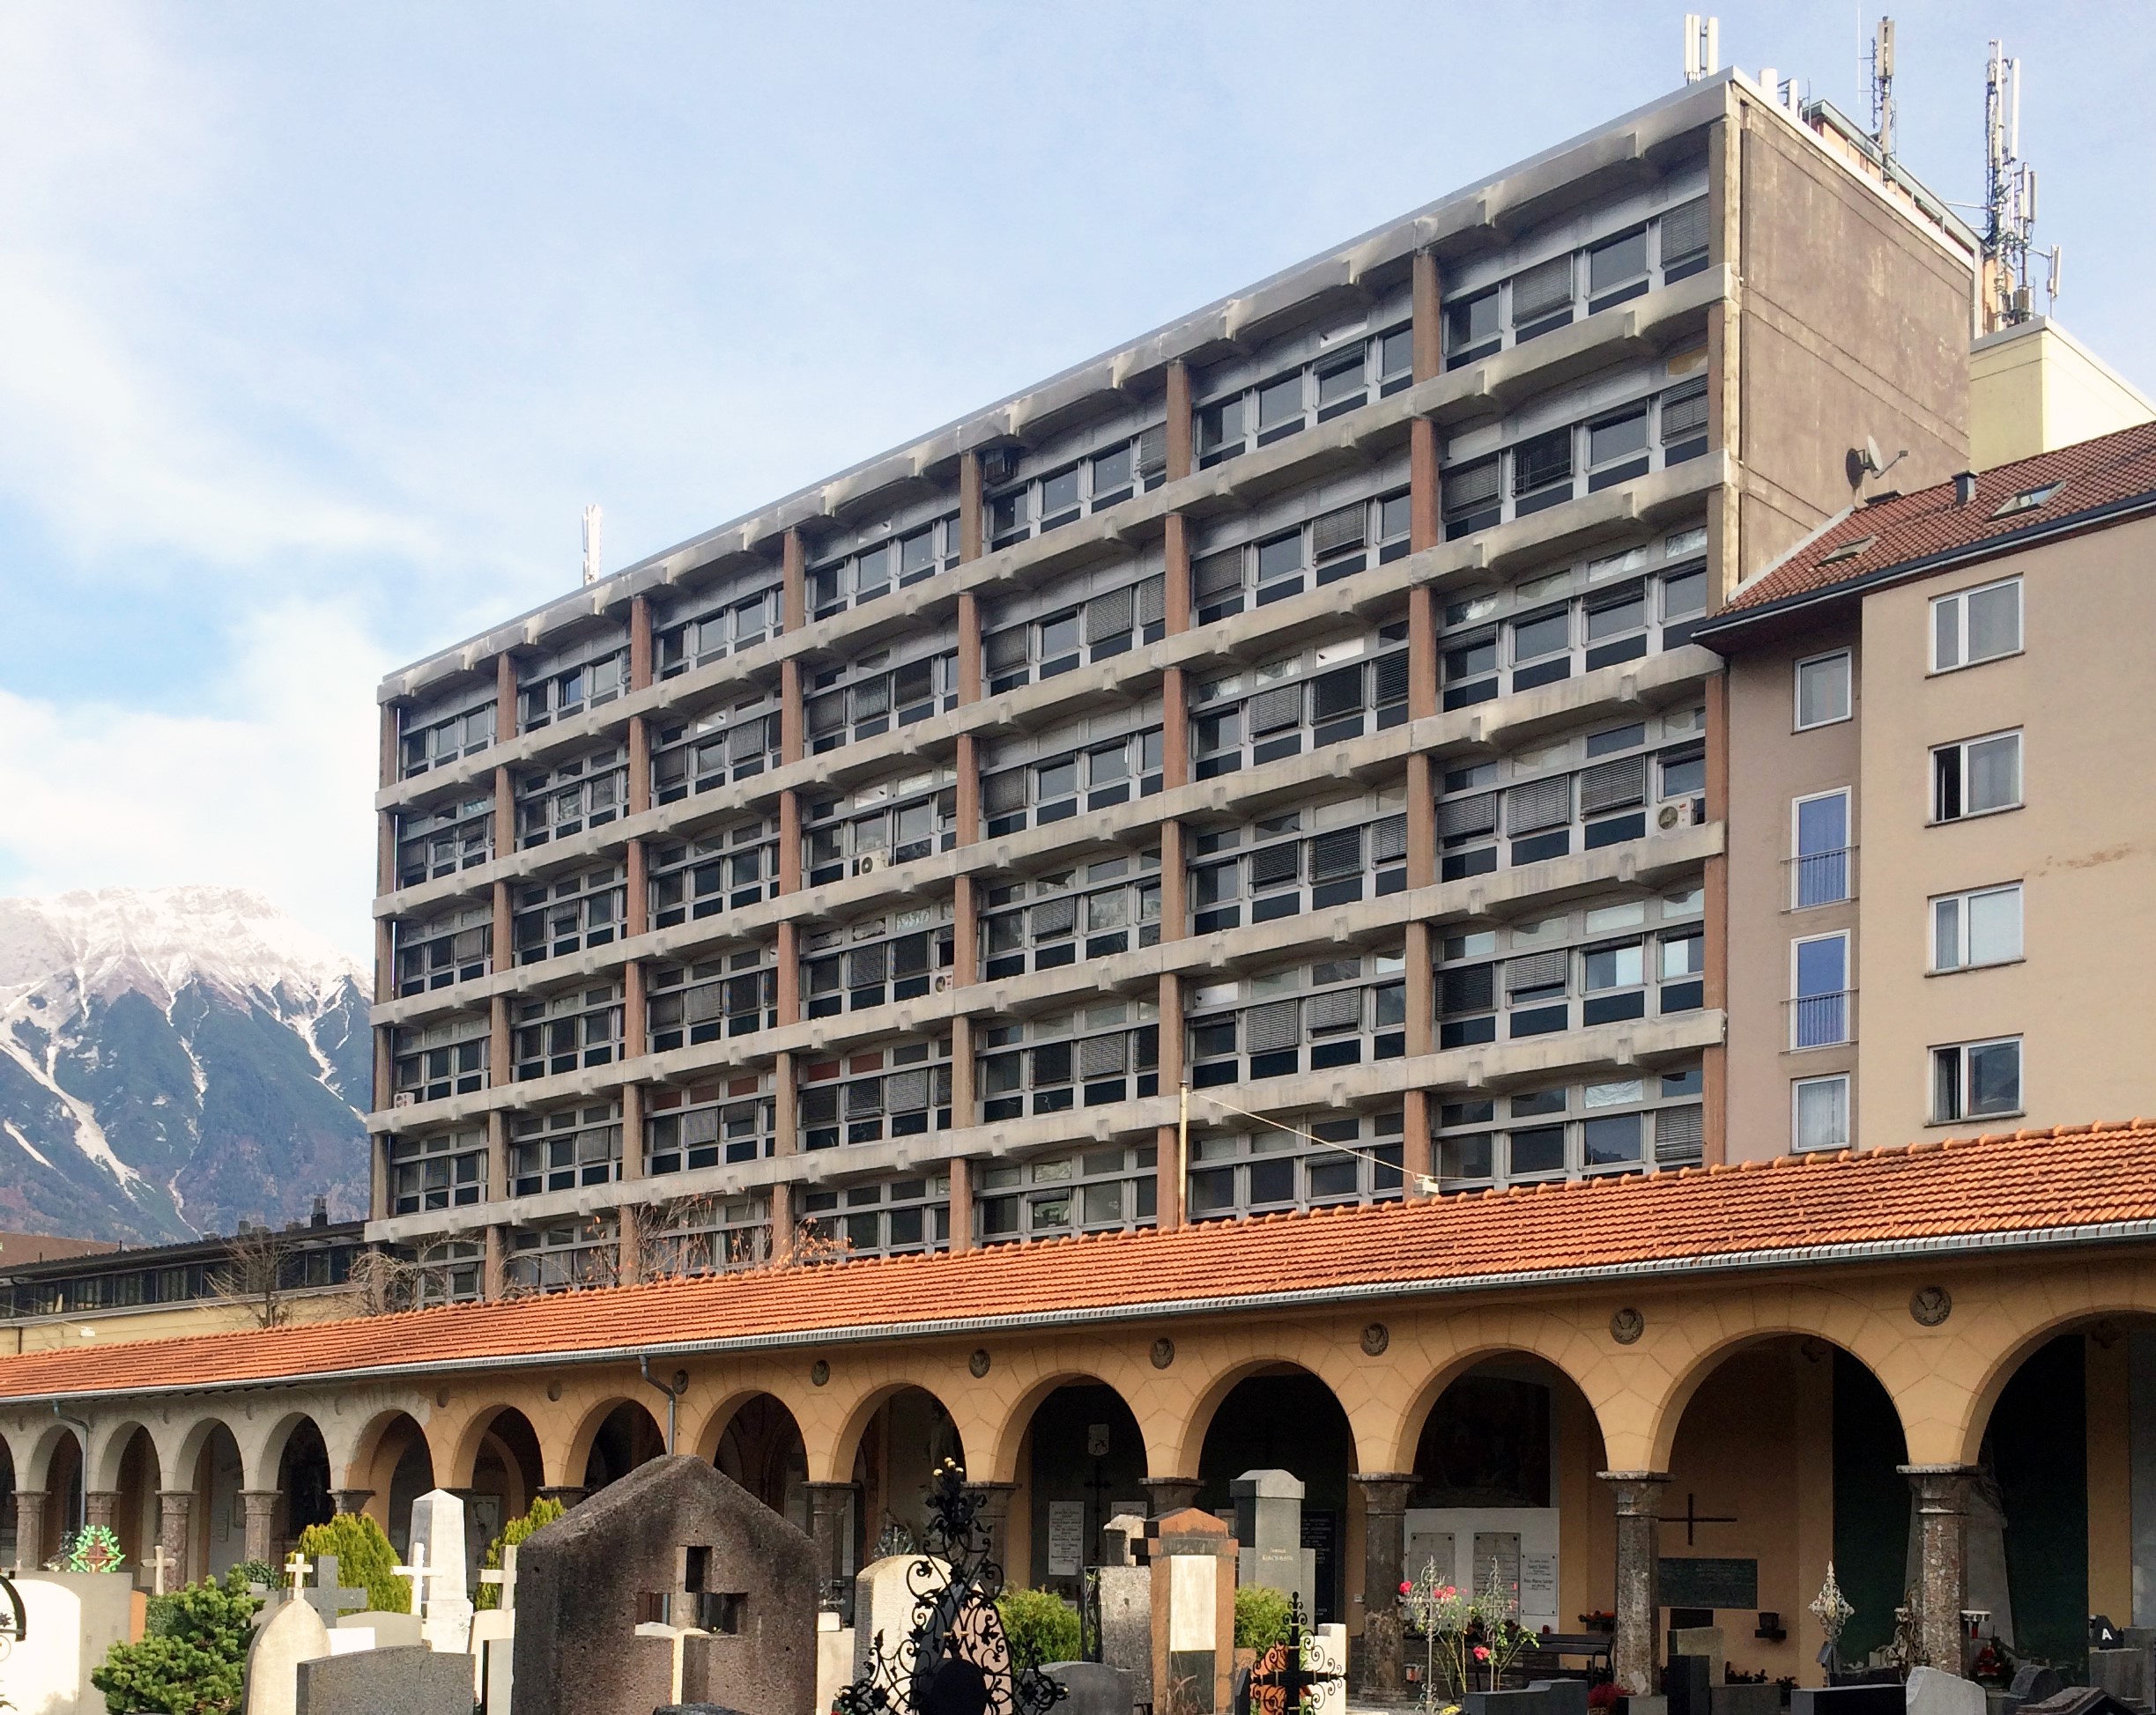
(1820, 878)
(1822, 1021)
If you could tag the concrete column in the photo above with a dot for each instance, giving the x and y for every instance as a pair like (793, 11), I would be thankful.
(965, 933)
(501, 1069)
(99, 1507)
(632, 1015)
(640, 642)
(1174, 883)
(344, 1500)
(1179, 458)
(258, 1511)
(1426, 294)
(1176, 575)
(963, 1094)
(504, 696)
(1175, 730)
(495, 1269)
(1637, 1654)
(385, 852)
(29, 1527)
(967, 768)
(640, 765)
(794, 583)
(505, 811)
(1424, 529)
(392, 759)
(782, 1219)
(1421, 820)
(831, 1525)
(1170, 1171)
(790, 842)
(971, 534)
(1942, 1575)
(1415, 1151)
(385, 960)
(793, 711)
(786, 1105)
(1421, 997)
(631, 1131)
(1384, 1507)
(961, 1172)
(385, 1070)
(502, 955)
(628, 1245)
(636, 891)
(1169, 1493)
(1424, 510)
(969, 647)
(175, 1509)
(996, 1514)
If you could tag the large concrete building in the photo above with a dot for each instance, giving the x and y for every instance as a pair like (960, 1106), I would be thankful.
(1299, 702)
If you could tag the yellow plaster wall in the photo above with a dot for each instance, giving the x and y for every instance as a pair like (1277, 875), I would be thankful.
(2110, 1455)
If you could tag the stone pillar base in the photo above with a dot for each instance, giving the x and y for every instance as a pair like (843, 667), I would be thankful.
(1170, 1494)
(1636, 1650)
(258, 1507)
(351, 1500)
(29, 1528)
(176, 1508)
(1942, 1578)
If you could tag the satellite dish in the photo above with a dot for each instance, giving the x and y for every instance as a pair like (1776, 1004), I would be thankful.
(1873, 462)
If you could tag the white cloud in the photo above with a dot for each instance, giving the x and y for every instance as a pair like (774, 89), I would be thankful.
(271, 790)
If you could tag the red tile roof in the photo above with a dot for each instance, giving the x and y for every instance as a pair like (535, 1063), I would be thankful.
(1983, 1192)
(1909, 528)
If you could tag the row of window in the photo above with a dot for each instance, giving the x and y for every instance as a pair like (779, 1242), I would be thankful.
(1979, 1080)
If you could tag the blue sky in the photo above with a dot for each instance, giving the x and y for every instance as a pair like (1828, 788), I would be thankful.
(319, 325)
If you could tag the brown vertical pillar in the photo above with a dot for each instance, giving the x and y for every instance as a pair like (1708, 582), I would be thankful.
(385, 852)
(786, 1105)
(636, 899)
(1425, 293)
(788, 955)
(1384, 1507)
(1415, 1152)
(965, 932)
(781, 1216)
(29, 1528)
(963, 1112)
(1180, 459)
(1942, 1574)
(1174, 730)
(505, 812)
(640, 765)
(499, 1070)
(497, 1155)
(790, 842)
(385, 1053)
(794, 583)
(631, 1131)
(494, 1277)
(504, 696)
(1421, 1039)
(1174, 882)
(971, 508)
(391, 760)
(378, 1189)
(1171, 1172)
(99, 1507)
(831, 1523)
(502, 956)
(633, 1019)
(385, 959)
(961, 1204)
(1421, 820)
(175, 1509)
(968, 771)
(1423, 528)
(969, 647)
(1429, 361)
(1636, 1655)
(793, 711)
(640, 642)
(628, 1246)
(258, 1508)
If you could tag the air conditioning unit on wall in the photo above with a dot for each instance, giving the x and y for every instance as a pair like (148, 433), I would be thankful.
(868, 863)
(1686, 813)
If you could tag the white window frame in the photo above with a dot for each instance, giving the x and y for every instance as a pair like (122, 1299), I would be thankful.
(1961, 1050)
(1846, 851)
(1797, 691)
(1964, 814)
(1960, 901)
(1798, 1086)
(1959, 600)
(1843, 997)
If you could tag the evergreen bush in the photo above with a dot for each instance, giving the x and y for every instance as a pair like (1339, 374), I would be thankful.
(364, 1559)
(543, 1511)
(191, 1657)
(1261, 1617)
(1041, 1626)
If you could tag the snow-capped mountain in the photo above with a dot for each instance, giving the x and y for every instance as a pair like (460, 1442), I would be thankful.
(174, 1059)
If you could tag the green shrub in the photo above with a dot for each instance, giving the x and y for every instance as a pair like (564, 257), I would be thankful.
(364, 1559)
(1041, 1626)
(1261, 1617)
(191, 1660)
(543, 1511)
(259, 1571)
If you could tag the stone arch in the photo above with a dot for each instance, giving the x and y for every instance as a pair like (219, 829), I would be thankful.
(1664, 1374)
(385, 1461)
(136, 1468)
(1992, 1352)
(1017, 1415)
(463, 1439)
(499, 1455)
(760, 1446)
(607, 1412)
(845, 1445)
(110, 1445)
(1451, 1349)
(1316, 1356)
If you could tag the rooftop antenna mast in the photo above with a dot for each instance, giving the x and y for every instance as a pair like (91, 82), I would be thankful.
(1882, 64)
(1702, 46)
(2010, 200)
(591, 544)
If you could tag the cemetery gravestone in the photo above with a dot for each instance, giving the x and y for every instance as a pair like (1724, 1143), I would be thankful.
(1503, 1702)
(2034, 1683)
(835, 1656)
(1329, 1656)
(1091, 1687)
(1193, 1560)
(1563, 1697)
(72, 1620)
(1702, 1641)
(2122, 1673)
(1126, 1603)
(1848, 1700)
(1684, 1683)
(392, 1681)
(1268, 1526)
(291, 1636)
(438, 1544)
(887, 1594)
(674, 1531)
(493, 1632)
(391, 1631)
(1930, 1692)
(329, 1597)
(1747, 1700)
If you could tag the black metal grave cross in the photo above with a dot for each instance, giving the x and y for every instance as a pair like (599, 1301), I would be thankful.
(1692, 1520)
(1279, 1683)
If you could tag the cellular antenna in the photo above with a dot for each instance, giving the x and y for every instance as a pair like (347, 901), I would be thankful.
(1702, 46)
(2010, 200)
(591, 544)
(1882, 64)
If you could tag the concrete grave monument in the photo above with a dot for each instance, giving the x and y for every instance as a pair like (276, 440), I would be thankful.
(1705, 1641)
(439, 1555)
(1268, 1526)
(676, 1542)
(1193, 1560)
(392, 1681)
(889, 1597)
(328, 1595)
(389, 1630)
(71, 1619)
(1126, 1602)
(294, 1633)
(1930, 1692)
(1090, 1688)
(1746, 1699)
(493, 1633)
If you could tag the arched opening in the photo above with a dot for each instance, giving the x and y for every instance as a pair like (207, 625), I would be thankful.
(303, 1495)
(1505, 1488)
(63, 1490)
(508, 1473)
(906, 1440)
(134, 1520)
(1283, 1418)
(217, 1534)
(1082, 1462)
(396, 1466)
(761, 1449)
(627, 1437)
(1786, 1457)
(11, 1518)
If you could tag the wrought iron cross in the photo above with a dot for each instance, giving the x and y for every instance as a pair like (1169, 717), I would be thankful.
(1279, 1686)
(1692, 1520)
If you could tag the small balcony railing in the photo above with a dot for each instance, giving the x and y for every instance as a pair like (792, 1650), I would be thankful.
(1820, 878)
(1822, 1021)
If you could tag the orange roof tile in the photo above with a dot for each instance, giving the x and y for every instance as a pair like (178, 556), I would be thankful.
(2091, 1183)
(1899, 535)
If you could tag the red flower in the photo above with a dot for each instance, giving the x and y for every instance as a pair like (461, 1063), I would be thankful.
(1405, 1587)
(1482, 1652)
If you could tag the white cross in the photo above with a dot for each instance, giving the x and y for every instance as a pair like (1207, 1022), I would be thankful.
(296, 1568)
(159, 1564)
(420, 1572)
(505, 1578)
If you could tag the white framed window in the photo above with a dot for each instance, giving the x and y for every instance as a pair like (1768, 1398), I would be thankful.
(1819, 991)
(1823, 690)
(1976, 1080)
(1981, 927)
(1819, 1112)
(1974, 625)
(1975, 776)
(1821, 863)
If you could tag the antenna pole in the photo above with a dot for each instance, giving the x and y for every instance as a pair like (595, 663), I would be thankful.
(591, 544)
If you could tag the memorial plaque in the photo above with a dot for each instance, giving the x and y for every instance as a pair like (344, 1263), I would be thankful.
(1066, 1538)
(1696, 1581)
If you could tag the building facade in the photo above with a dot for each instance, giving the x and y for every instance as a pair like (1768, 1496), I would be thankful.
(1938, 840)
(1300, 702)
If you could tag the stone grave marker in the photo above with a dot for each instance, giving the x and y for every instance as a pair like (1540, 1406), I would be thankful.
(392, 1681)
(71, 1619)
(1846, 1700)
(1930, 1692)
(1684, 1683)
(1091, 1687)
(160, 1563)
(1329, 1654)
(1702, 1641)
(2081, 1700)
(1126, 1602)
(2122, 1673)
(328, 1596)
(1562, 1697)
(390, 1631)
(2034, 1683)
(887, 1595)
(291, 1635)
(1193, 1559)
(675, 1535)
(1268, 1526)
(494, 1632)
(1505, 1703)
(438, 1545)
(1747, 1700)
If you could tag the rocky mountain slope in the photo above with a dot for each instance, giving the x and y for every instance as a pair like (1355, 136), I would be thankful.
(172, 1060)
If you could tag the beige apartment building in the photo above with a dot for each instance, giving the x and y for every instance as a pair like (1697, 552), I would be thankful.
(1943, 841)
